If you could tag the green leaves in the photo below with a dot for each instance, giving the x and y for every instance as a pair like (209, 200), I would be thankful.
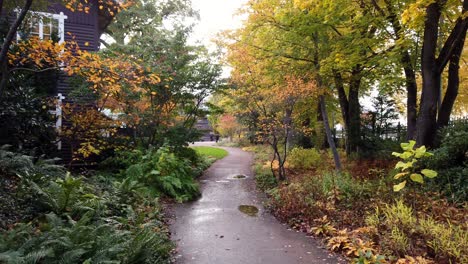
(165, 173)
(416, 177)
(399, 175)
(409, 145)
(398, 187)
(409, 165)
(404, 165)
(429, 173)
(420, 152)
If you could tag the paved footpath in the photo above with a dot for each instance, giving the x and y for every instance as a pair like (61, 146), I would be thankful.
(212, 230)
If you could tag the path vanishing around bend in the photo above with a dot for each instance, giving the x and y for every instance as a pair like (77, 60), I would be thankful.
(212, 230)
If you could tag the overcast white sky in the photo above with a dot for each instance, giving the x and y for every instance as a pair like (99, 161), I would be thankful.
(215, 16)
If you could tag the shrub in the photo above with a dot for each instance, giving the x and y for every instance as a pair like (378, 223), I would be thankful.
(410, 165)
(265, 179)
(165, 173)
(81, 220)
(26, 122)
(451, 162)
(400, 231)
(24, 166)
(344, 187)
(17, 170)
(67, 241)
(446, 240)
(122, 160)
(300, 158)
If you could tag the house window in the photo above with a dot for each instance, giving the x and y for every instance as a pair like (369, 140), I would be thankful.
(44, 26)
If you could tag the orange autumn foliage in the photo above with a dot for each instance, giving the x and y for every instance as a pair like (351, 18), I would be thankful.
(114, 82)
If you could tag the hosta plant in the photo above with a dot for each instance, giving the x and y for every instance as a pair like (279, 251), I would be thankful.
(408, 165)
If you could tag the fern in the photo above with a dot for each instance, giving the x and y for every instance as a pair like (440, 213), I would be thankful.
(15, 163)
(166, 174)
(88, 223)
(12, 163)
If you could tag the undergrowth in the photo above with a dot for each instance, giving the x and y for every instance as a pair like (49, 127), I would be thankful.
(357, 213)
(111, 216)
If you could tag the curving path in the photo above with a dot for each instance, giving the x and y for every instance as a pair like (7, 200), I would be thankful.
(212, 230)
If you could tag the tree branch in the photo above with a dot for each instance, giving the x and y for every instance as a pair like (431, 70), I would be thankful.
(7, 43)
(12, 32)
(452, 41)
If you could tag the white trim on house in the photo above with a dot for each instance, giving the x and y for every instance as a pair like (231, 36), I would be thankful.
(60, 17)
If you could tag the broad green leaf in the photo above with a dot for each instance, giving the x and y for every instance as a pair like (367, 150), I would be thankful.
(406, 155)
(416, 177)
(404, 146)
(420, 152)
(409, 145)
(404, 165)
(400, 164)
(398, 187)
(396, 154)
(429, 173)
(399, 175)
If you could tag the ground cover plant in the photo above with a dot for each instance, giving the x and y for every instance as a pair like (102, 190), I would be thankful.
(112, 215)
(325, 157)
(380, 183)
(78, 219)
(357, 213)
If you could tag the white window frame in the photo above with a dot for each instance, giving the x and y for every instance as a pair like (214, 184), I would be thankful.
(60, 17)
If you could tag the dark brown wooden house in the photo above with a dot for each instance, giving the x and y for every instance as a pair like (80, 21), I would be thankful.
(61, 24)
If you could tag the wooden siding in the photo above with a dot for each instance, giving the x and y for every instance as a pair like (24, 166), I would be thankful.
(83, 28)
(80, 26)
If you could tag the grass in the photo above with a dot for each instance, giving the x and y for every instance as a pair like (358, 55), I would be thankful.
(216, 153)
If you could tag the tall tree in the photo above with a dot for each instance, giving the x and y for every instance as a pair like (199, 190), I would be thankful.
(431, 115)
(156, 32)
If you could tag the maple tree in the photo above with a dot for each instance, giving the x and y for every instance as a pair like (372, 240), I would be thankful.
(352, 48)
(311, 34)
(228, 126)
(189, 73)
(109, 6)
(112, 82)
(433, 62)
(268, 97)
(154, 88)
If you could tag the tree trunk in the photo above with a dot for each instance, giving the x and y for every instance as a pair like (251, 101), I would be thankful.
(344, 104)
(411, 96)
(331, 142)
(431, 79)
(410, 76)
(7, 43)
(287, 128)
(452, 85)
(350, 108)
(354, 111)
(321, 137)
(432, 69)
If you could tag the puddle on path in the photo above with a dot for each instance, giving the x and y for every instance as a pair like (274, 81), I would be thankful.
(222, 181)
(239, 176)
(249, 210)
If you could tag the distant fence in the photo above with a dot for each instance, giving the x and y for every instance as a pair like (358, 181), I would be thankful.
(394, 132)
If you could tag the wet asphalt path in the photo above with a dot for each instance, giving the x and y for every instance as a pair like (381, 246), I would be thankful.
(212, 230)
